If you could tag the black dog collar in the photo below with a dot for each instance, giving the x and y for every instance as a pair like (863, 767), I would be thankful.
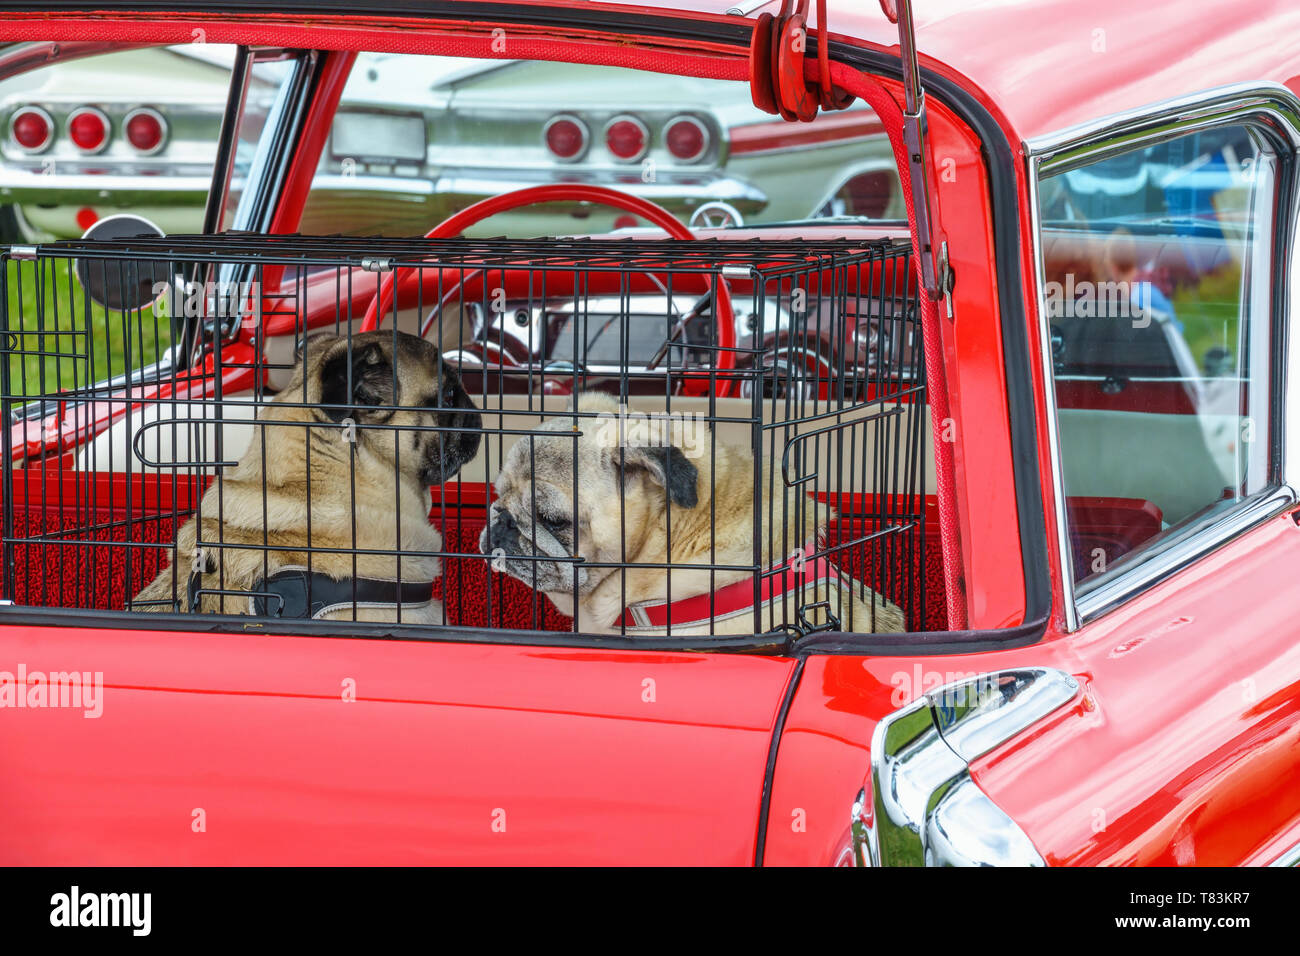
(284, 593)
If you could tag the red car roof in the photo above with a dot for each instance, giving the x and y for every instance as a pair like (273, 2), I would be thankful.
(1041, 65)
(1049, 64)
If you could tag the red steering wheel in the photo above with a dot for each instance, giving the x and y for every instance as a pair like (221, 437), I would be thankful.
(405, 279)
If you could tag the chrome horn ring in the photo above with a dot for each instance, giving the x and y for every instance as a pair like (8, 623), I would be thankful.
(716, 215)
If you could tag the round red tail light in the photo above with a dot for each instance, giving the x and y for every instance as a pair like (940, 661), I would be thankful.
(88, 129)
(686, 138)
(627, 138)
(566, 137)
(145, 130)
(31, 128)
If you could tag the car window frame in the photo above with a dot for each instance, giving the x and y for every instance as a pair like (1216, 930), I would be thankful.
(268, 172)
(283, 125)
(1272, 111)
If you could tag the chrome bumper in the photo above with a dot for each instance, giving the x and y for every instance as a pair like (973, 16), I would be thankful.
(22, 185)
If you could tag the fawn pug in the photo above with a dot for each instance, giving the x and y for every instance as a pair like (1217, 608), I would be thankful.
(673, 500)
(320, 480)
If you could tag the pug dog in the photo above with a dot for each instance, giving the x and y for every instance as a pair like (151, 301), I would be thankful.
(324, 480)
(672, 500)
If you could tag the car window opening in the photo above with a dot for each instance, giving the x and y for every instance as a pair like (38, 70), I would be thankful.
(627, 435)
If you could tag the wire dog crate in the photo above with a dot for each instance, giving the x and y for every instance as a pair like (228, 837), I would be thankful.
(201, 425)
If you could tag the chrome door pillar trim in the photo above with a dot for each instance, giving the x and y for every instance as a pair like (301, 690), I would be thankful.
(1271, 107)
(1059, 518)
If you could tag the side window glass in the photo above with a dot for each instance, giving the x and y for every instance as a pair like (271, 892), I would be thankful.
(418, 138)
(130, 131)
(1156, 265)
(266, 97)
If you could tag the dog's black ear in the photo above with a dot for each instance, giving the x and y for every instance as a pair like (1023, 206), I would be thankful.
(371, 380)
(668, 467)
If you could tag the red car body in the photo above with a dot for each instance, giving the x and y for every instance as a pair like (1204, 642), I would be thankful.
(1181, 744)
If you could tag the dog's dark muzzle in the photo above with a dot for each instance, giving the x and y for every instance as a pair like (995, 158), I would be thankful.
(503, 539)
(454, 448)
(502, 534)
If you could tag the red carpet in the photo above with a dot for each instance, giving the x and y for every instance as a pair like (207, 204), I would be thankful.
(100, 575)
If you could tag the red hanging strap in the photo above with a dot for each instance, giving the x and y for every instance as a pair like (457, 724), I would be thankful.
(782, 82)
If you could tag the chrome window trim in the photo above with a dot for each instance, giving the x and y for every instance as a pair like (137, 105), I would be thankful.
(223, 161)
(1155, 568)
(1273, 108)
(1289, 857)
(1087, 143)
(257, 203)
(283, 128)
(1059, 517)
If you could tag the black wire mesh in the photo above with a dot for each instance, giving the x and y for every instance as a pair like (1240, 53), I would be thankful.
(124, 422)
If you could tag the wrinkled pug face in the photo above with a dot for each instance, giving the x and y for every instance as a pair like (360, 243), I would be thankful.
(365, 379)
(562, 496)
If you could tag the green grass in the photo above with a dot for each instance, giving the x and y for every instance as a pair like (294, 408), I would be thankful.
(64, 342)
(1210, 311)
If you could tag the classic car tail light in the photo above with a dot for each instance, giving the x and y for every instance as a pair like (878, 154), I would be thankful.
(686, 138)
(566, 137)
(88, 128)
(31, 128)
(145, 130)
(627, 138)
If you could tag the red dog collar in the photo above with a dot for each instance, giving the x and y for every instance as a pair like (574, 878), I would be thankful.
(735, 598)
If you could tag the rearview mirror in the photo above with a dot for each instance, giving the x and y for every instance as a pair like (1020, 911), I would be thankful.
(127, 284)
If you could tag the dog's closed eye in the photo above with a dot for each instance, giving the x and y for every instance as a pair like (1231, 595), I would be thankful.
(554, 523)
